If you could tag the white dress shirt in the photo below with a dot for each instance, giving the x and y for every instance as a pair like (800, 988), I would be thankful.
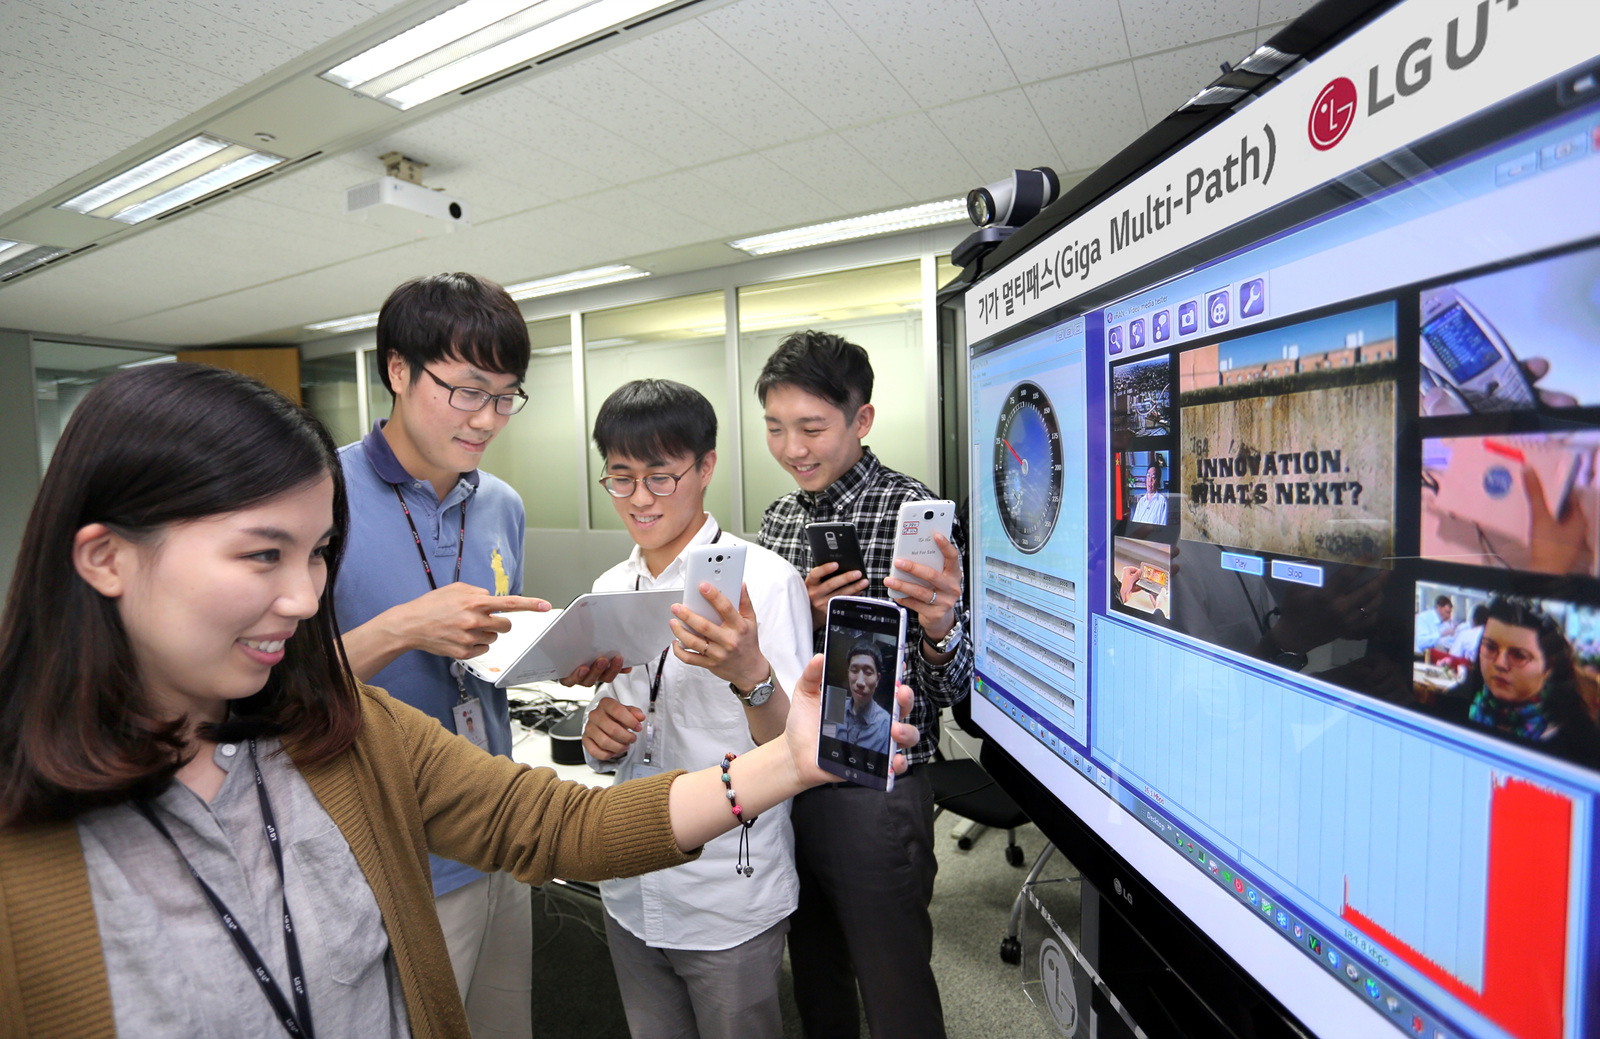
(1152, 508)
(705, 905)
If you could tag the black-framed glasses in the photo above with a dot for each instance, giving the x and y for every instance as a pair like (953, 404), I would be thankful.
(470, 398)
(658, 484)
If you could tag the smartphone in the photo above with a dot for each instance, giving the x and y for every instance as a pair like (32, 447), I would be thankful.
(1152, 579)
(1462, 350)
(913, 538)
(863, 654)
(723, 567)
(836, 543)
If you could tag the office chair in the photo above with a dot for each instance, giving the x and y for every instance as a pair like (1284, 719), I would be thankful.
(962, 787)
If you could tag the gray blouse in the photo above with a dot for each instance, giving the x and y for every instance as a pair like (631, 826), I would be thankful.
(173, 969)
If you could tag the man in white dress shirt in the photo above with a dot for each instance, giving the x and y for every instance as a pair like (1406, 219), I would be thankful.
(697, 949)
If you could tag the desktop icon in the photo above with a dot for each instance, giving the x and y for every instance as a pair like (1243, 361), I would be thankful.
(1392, 1003)
(1299, 932)
(1238, 885)
(1316, 945)
(1217, 309)
(1266, 905)
(1254, 898)
(1189, 318)
(1114, 337)
(1283, 919)
(1372, 988)
(1136, 333)
(1252, 298)
(1161, 326)
(1333, 958)
(1351, 972)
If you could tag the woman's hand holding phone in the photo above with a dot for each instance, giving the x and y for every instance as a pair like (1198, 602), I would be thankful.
(804, 729)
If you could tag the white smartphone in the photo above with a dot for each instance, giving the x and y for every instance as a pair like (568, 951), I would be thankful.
(913, 539)
(863, 660)
(720, 565)
(1460, 349)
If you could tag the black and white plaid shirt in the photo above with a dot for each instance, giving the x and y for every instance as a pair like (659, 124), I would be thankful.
(870, 495)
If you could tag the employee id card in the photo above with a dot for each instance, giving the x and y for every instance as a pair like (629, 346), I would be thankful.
(470, 722)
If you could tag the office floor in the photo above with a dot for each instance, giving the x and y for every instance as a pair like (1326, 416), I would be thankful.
(575, 991)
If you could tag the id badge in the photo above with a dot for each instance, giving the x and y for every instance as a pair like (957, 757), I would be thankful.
(470, 722)
(647, 759)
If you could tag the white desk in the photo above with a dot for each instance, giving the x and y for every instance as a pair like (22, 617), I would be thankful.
(533, 748)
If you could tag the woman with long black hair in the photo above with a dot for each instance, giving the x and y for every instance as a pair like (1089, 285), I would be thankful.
(206, 825)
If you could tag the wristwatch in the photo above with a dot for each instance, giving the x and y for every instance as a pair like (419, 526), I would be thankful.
(757, 696)
(951, 640)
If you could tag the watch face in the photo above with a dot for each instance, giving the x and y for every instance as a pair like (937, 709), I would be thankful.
(1027, 467)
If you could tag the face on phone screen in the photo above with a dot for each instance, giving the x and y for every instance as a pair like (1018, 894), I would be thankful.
(858, 692)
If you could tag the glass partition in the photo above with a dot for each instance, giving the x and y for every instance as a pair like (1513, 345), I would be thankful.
(536, 452)
(64, 372)
(682, 339)
(879, 308)
(329, 388)
(379, 403)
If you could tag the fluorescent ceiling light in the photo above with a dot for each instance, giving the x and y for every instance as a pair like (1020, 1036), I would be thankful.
(16, 257)
(176, 177)
(926, 215)
(576, 280)
(475, 40)
(346, 324)
(161, 359)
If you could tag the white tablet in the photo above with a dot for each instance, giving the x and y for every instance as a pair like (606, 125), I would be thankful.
(542, 646)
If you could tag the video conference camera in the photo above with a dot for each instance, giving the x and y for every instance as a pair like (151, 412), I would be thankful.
(1000, 208)
(1016, 199)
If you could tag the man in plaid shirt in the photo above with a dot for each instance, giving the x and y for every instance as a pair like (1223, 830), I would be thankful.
(865, 858)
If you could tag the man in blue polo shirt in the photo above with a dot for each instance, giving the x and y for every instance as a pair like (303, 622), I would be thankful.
(435, 550)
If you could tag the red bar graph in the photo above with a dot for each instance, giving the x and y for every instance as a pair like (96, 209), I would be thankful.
(1525, 933)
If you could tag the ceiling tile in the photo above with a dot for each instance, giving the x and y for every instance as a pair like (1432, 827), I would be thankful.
(921, 42)
(69, 94)
(81, 51)
(757, 179)
(721, 214)
(997, 133)
(837, 171)
(806, 48)
(607, 94)
(1090, 115)
(1040, 40)
(452, 141)
(536, 122)
(186, 32)
(19, 185)
(304, 23)
(691, 64)
(1158, 25)
(1167, 80)
(1282, 10)
(916, 155)
(57, 145)
(644, 215)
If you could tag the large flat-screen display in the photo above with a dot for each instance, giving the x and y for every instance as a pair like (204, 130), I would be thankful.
(1285, 504)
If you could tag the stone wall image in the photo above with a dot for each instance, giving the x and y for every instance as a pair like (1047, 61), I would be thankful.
(1306, 474)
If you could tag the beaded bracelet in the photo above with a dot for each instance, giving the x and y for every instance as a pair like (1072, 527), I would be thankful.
(741, 864)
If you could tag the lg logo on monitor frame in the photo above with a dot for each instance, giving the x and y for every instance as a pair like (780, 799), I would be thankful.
(1332, 113)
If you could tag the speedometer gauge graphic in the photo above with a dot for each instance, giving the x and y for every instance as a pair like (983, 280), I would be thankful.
(1027, 467)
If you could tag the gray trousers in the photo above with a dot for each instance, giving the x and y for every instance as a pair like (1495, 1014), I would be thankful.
(693, 994)
(866, 868)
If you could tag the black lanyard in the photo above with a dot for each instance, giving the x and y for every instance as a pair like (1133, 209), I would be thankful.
(461, 541)
(655, 683)
(296, 1022)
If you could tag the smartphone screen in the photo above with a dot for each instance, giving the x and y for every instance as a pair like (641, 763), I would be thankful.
(861, 666)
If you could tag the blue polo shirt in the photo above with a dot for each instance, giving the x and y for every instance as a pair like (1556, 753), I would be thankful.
(381, 569)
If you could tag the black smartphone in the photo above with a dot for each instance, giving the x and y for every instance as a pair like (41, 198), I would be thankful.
(863, 656)
(835, 543)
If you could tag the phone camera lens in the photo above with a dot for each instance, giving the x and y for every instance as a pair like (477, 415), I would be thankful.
(928, 514)
(719, 559)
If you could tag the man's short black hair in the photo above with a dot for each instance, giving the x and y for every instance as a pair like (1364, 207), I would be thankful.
(868, 647)
(1443, 600)
(823, 365)
(649, 419)
(461, 316)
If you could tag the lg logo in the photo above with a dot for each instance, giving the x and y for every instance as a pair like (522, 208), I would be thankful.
(1331, 114)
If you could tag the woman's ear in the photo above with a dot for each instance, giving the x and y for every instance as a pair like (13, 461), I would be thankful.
(101, 557)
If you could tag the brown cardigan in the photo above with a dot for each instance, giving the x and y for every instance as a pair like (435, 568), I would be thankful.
(407, 786)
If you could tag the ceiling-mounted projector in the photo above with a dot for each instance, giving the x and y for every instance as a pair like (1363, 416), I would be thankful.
(406, 208)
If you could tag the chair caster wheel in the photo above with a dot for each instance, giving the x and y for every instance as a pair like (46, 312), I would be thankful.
(1014, 854)
(1010, 950)
(964, 843)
